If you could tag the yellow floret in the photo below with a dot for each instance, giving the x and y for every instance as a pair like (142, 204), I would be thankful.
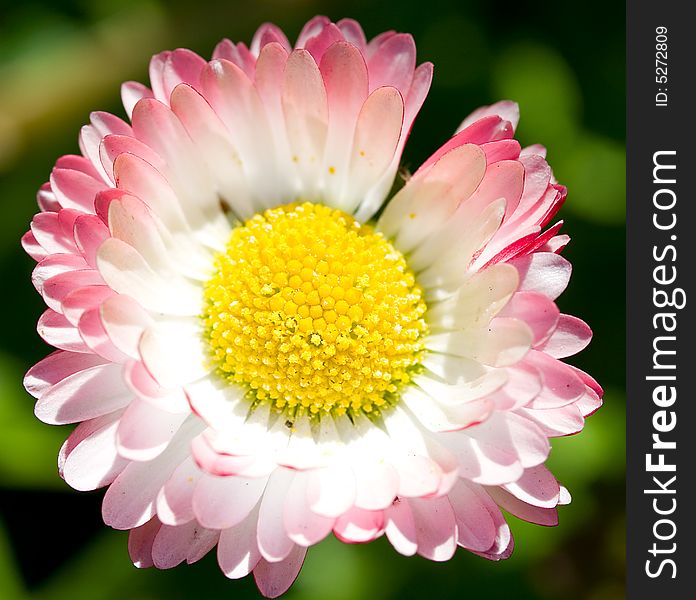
(310, 310)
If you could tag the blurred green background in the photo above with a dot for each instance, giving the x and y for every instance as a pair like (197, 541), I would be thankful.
(563, 63)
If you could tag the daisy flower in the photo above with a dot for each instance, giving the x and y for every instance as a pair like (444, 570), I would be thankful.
(259, 352)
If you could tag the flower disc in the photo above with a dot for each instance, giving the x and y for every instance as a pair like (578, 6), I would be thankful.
(311, 310)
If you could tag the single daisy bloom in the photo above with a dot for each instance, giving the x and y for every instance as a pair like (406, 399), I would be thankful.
(260, 350)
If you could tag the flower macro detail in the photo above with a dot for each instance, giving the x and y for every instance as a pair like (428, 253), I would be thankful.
(314, 312)
(260, 347)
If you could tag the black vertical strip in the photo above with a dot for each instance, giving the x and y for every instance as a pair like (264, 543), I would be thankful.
(661, 165)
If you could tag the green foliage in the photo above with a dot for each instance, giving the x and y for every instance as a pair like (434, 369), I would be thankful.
(28, 449)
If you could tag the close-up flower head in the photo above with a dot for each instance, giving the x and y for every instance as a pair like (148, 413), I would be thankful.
(267, 332)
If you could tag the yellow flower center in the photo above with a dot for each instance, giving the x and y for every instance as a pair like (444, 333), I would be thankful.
(314, 312)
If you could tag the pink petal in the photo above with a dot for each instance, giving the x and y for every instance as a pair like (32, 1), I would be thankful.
(156, 70)
(224, 465)
(561, 385)
(53, 265)
(56, 330)
(345, 78)
(175, 544)
(302, 525)
(312, 28)
(140, 542)
(429, 200)
(79, 163)
(393, 63)
(475, 527)
(505, 109)
(422, 78)
(523, 385)
(58, 287)
(95, 337)
(359, 525)
(75, 189)
(182, 66)
(319, 44)
(158, 127)
(436, 530)
(76, 303)
(543, 272)
(214, 145)
(400, 528)
(537, 487)
(131, 93)
(89, 233)
(124, 321)
(130, 499)
(32, 247)
(88, 459)
(46, 199)
(112, 146)
(238, 553)
(144, 386)
(102, 124)
(274, 579)
(83, 395)
(56, 367)
(536, 310)
(556, 422)
(238, 54)
(570, 337)
(268, 33)
(48, 233)
(305, 110)
(377, 134)
(501, 150)
(502, 544)
(274, 543)
(488, 129)
(353, 33)
(483, 462)
(144, 431)
(533, 514)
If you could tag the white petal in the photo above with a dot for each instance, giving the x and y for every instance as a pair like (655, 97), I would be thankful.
(127, 272)
(303, 526)
(174, 353)
(174, 505)
(426, 203)
(222, 502)
(503, 342)
(476, 302)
